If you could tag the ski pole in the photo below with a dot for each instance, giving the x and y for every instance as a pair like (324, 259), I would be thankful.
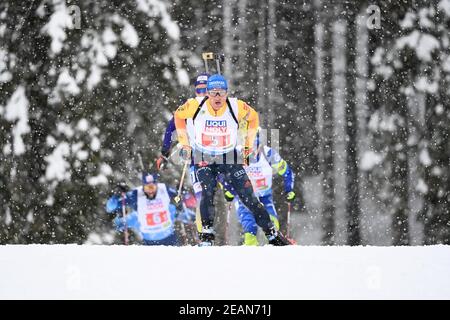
(219, 58)
(288, 219)
(178, 197)
(218, 66)
(227, 223)
(124, 215)
(141, 163)
(183, 230)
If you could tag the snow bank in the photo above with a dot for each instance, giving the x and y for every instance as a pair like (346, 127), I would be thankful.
(297, 272)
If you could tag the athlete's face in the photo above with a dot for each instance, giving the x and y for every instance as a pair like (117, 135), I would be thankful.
(200, 90)
(217, 98)
(150, 190)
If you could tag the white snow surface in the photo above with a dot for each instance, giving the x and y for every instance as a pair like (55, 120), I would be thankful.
(294, 272)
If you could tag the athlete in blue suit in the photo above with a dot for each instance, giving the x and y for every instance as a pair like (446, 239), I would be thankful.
(152, 216)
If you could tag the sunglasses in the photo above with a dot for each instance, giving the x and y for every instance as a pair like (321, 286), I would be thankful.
(215, 93)
(200, 90)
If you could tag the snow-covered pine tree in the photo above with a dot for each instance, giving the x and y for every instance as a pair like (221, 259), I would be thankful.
(401, 64)
(428, 36)
(91, 95)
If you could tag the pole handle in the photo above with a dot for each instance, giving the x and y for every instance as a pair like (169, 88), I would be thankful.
(207, 56)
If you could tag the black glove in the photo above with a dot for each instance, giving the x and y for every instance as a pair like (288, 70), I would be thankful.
(165, 152)
(179, 206)
(122, 187)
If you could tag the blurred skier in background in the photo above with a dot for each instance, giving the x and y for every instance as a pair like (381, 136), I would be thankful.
(152, 216)
(264, 162)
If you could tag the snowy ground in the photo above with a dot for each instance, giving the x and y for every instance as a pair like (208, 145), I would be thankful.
(297, 272)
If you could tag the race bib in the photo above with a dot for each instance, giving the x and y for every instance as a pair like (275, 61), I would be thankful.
(215, 140)
(156, 218)
(261, 183)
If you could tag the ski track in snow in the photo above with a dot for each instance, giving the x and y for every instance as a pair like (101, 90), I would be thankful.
(296, 272)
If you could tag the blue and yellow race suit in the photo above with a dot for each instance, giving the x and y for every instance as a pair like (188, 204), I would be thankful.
(260, 171)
